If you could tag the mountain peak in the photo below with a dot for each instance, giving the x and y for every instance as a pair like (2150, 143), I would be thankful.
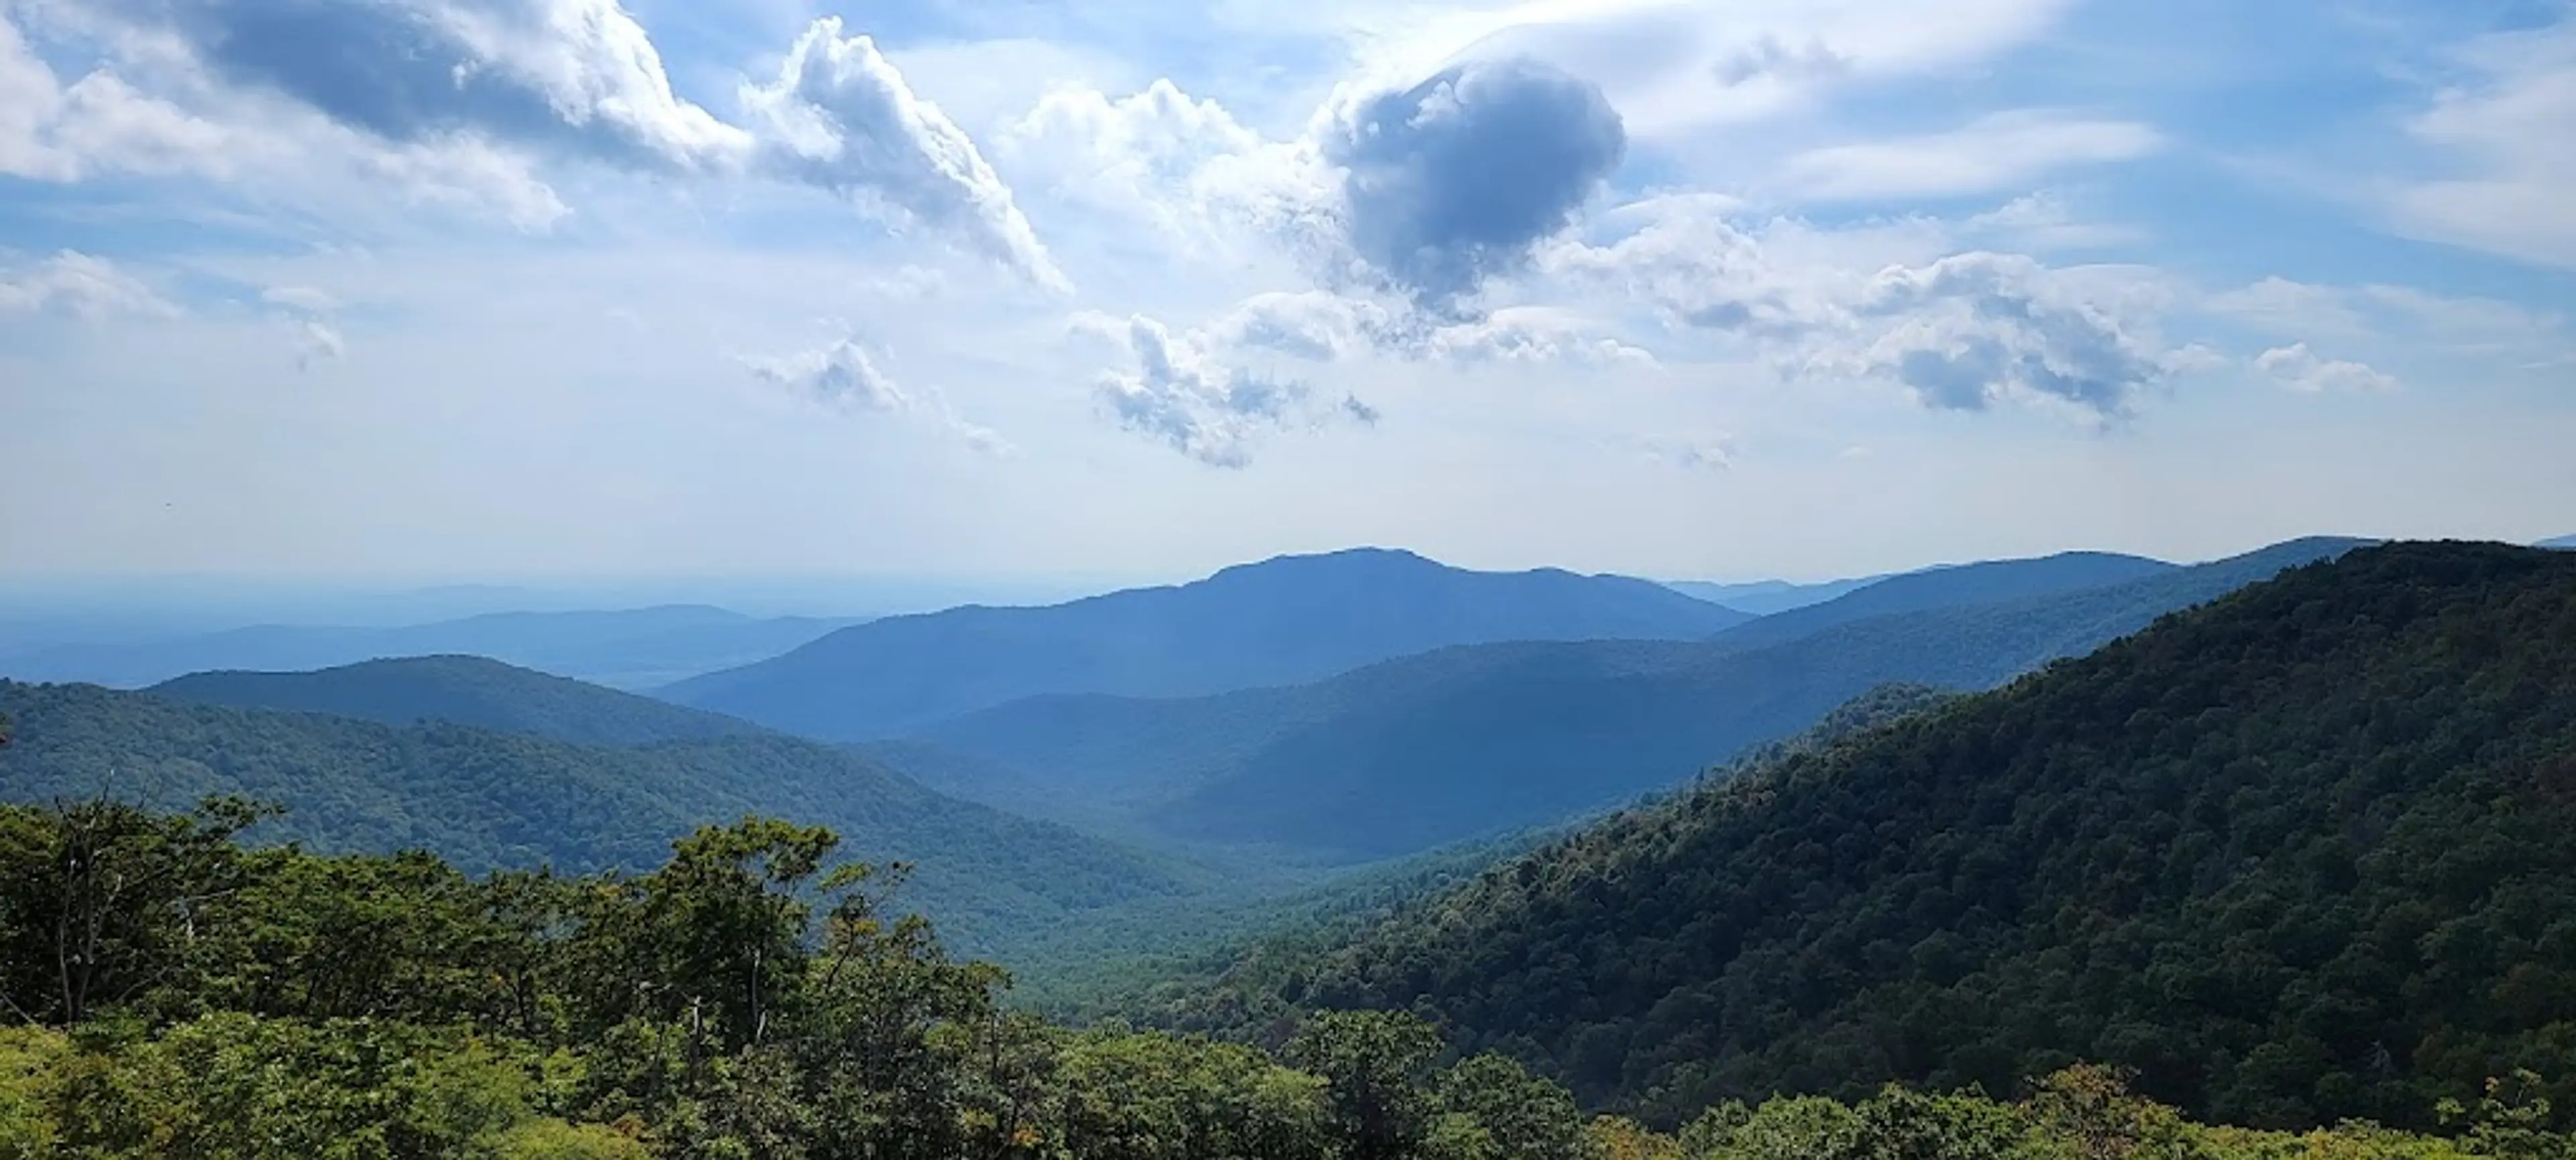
(1281, 621)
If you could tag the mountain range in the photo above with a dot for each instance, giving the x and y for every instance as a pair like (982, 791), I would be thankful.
(1764, 597)
(633, 648)
(1279, 622)
(2290, 858)
(1433, 748)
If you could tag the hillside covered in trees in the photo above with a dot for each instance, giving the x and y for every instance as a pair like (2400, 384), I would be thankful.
(2297, 856)
(490, 800)
(177, 995)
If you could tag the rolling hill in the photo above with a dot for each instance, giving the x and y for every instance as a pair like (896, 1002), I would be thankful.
(1279, 622)
(2562, 543)
(2294, 857)
(463, 691)
(1425, 750)
(636, 648)
(485, 799)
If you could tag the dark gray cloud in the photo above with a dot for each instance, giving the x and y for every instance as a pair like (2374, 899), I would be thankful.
(1454, 180)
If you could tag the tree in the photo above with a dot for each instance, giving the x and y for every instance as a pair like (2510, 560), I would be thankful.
(101, 901)
(1373, 1064)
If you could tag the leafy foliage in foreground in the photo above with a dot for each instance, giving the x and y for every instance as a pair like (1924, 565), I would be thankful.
(182, 996)
(2296, 856)
(490, 800)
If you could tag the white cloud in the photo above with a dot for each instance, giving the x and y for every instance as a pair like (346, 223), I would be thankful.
(1998, 151)
(2045, 221)
(2507, 128)
(844, 376)
(2382, 315)
(468, 174)
(2298, 368)
(1184, 393)
(1528, 334)
(99, 124)
(78, 285)
(315, 342)
(1960, 330)
(1154, 153)
(1677, 67)
(839, 116)
(472, 103)
(1975, 329)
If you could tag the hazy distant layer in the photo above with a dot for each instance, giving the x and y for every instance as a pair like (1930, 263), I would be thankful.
(634, 648)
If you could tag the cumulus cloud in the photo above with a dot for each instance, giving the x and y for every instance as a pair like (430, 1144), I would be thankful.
(844, 376)
(1527, 334)
(2298, 368)
(578, 76)
(1160, 153)
(1457, 179)
(470, 100)
(1184, 393)
(78, 285)
(840, 117)
(1974, 329)
(1696, 270)
(1316, 325)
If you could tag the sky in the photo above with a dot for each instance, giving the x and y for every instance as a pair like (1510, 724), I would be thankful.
(448, 290)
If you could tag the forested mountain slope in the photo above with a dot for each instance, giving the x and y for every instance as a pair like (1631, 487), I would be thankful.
(2296, 856)
(1279, 622)
(484, 799)
(1418, 752)
(465, 691)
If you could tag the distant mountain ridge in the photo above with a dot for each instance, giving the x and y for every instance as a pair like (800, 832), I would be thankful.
(2562, 543)
(1764, 597)
(1947, 586)
(462, 690)
(1279, 622)
(631, 648)
(1420, 751)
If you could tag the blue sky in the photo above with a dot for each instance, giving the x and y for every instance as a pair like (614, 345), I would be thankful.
(441, 289)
